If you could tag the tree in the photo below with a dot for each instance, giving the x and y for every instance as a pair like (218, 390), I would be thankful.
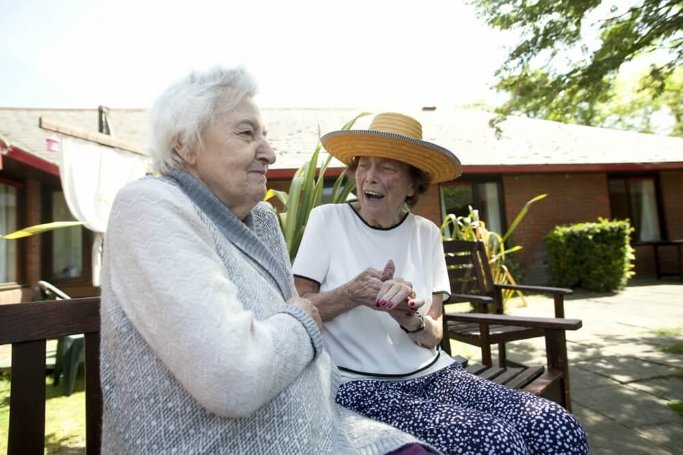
(566, 63)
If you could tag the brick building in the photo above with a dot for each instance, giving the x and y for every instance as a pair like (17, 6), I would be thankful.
(586, 172)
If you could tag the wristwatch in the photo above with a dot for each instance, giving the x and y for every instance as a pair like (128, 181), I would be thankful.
(420, 324)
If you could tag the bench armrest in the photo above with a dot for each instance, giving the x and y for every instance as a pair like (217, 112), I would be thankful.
(534, 322)
(530, 288)
(460, 298)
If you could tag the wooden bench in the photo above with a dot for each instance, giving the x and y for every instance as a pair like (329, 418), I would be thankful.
(28, 326)
(472, 283)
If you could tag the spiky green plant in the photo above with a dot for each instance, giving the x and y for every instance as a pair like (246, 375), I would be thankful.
(470, 227)
(305, 193)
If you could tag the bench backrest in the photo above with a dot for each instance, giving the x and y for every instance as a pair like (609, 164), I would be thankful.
(27, 327)
(469, 272)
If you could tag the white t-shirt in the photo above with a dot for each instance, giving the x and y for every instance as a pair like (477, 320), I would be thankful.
(338, 245)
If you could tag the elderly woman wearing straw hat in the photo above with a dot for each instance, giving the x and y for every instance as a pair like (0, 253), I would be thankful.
(378, 277)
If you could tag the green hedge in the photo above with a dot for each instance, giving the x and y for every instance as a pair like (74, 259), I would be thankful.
(594, 256)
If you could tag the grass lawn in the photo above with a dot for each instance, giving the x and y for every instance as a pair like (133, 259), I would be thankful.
(65, 417)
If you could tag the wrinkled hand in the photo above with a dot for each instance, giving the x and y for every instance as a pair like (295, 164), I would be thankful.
(308, 308)
(363, 288)
(395, 292)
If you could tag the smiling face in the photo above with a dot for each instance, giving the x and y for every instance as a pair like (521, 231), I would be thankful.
(234, 158)
(382, 187)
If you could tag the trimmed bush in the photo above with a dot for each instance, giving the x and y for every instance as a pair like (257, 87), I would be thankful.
(594, 256)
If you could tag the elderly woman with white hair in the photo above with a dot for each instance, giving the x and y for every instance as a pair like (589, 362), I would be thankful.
(206, 347)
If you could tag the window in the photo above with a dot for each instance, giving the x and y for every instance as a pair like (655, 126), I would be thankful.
(482, 196)
(8, 223)
(67, 243)
(635, 198)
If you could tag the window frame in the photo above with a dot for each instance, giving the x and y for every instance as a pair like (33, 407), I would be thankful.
(473, 182)
(47, 263)
(20, 262)
(628, 177)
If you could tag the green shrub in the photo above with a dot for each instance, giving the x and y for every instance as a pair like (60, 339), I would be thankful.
(594, 256)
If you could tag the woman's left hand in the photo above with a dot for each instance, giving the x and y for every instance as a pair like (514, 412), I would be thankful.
(395, 290)
(406, 315)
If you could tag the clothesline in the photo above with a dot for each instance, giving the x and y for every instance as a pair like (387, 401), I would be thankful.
(92, 136)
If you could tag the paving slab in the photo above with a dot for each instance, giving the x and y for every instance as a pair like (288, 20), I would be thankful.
(666, 388)
(607, 437)
(581, 379)
(668, 435)
(626, 406)
(626, 369)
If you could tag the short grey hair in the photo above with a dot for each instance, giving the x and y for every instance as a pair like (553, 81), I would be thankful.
(185, 109)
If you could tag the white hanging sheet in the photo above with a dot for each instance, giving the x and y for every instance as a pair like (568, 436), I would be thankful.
(91, 175)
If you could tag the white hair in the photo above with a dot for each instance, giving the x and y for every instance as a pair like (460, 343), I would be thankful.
(184, 110)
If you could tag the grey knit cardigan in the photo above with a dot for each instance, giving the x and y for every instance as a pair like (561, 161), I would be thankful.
(199, 351)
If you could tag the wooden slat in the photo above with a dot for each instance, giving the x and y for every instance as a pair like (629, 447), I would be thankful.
(27, 399)
(543, 382)
(536, 289)
(459, 261)
(476, 368)
(48, 319)
(93, 394)
(507, 375)
(491, 372)
(541, 323)
(513, 377)
(470, 333)
(525, 377)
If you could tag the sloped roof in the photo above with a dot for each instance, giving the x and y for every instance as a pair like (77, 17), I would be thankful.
(293, 133)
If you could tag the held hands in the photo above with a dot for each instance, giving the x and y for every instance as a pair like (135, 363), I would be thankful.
(381, 291)
(308, 308)
(396, 296)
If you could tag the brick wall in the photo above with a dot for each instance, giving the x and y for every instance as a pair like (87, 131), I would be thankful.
(33, 243)
(429, 205)
(572, 198)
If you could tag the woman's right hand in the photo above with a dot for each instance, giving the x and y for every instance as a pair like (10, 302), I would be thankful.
(363, 288)
(308, 308)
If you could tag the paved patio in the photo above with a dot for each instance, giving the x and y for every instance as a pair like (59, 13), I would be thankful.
(621, 381)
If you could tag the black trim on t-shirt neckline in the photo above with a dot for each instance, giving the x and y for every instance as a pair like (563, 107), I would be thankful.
(353, 209)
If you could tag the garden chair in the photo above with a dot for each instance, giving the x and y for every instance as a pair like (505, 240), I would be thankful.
(69, 353)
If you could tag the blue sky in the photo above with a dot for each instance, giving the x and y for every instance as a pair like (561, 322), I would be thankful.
(303, 53)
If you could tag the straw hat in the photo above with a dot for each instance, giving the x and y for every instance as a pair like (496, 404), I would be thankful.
(398, 137)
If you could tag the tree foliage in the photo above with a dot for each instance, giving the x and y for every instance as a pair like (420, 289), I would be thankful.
(566, 64)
